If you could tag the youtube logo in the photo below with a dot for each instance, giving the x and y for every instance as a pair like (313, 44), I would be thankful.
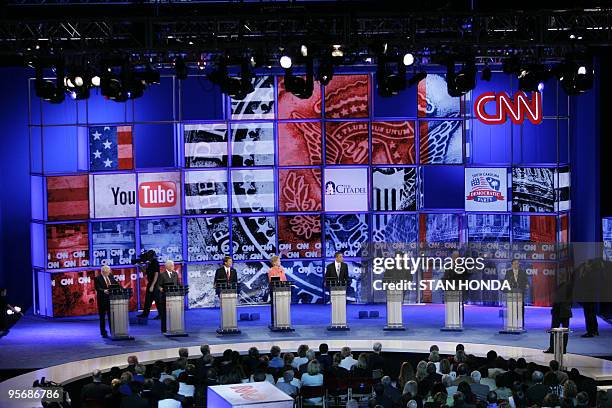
(157, 194)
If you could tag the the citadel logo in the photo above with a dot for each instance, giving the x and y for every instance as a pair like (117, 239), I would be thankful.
(346, 189)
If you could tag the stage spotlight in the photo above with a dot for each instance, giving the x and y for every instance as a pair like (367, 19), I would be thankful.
(95, 80)
(460, 83)
(531, 76)
(285, 62)
(180, 68)
(111, 87)
(486, 74)
(575, 78)
(337, 51)
(50, 90)
(150, 76)
(408, 59)
(325, 72)
(304, 51)
(511, 65)
(390, 83)
(298, 86)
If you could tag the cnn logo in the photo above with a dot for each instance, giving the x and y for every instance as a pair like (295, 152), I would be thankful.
(518, 108)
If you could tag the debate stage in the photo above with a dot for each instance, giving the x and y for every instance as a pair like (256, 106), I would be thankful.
(62, 340)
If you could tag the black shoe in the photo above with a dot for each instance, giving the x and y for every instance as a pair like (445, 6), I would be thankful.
(157, 317)
(596, 333)
(142, 316)
(587, 335)
(548, 351)
(105, 335)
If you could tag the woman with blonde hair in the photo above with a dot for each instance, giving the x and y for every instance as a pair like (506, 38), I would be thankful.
(421, 370)
(275, 273)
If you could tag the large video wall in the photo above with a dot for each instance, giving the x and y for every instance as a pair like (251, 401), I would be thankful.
(195, 175)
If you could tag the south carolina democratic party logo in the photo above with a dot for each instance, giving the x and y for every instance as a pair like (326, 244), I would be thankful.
(330, 188)
(485, 188)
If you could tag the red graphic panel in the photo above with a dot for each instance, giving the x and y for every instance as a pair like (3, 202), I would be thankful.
(299, 236)
(67, 246)
(542, 228)
(393, 142)
(143, 282)
(543, 284)
(346, 142)
(299, 144)
(300, 190)
(347, 96)
(74, 293)
(67, 198)
(292, 107)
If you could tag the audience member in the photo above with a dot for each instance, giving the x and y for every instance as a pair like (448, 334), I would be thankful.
(347, 358)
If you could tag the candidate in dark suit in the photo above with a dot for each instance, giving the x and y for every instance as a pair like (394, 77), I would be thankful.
(103, 283)
(151, 267)
(226, 274)
(561, 310)
(517, 280)
(169, 277)
(337, 271)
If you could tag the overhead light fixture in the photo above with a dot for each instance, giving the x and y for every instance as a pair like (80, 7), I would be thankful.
(95, 80)
(298, 86)
(337, 51)
(531, 76)
(408, 59)
(304, 51)
(575, 77)
(47, 89)
(285, 62)
(390, 83)
(325, 73)
(461, 82)
(237, 87)
(416, 78)
(486, 73)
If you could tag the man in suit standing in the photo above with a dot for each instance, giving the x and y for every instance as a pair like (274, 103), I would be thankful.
(561, 310)
(169, 277)
(103, 283)
(337, 271)
(226, 274)
(517, 280)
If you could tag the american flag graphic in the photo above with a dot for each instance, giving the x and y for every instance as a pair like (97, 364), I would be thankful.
(480, 183)
(110, 148)
(67, 198)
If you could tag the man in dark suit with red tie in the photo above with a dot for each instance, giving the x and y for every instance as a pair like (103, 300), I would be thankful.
(226, 274)
(103, 283)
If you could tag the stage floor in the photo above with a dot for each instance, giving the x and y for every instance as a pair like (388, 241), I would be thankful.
(36, 342)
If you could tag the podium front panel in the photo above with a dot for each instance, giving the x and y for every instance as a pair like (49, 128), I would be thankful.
(514, 312)
(453, 308)
(229, 301)
(395, 299)
(282, 307)
(338, 302)
(119, 308)
(175, 314)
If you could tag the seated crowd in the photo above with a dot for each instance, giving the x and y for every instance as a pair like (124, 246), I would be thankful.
(438, 381)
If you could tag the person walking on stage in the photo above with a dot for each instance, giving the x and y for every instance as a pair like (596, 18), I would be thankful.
(151, 267)
(103, 283)
(169, 277)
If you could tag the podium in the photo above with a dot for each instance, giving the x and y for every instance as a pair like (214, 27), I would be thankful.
(281, 306)
(453, 308)
(558, 334)
(513, 318)
(228, 294)
(395, 300)
(119, 313)
(175, 310)
(337, 292)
